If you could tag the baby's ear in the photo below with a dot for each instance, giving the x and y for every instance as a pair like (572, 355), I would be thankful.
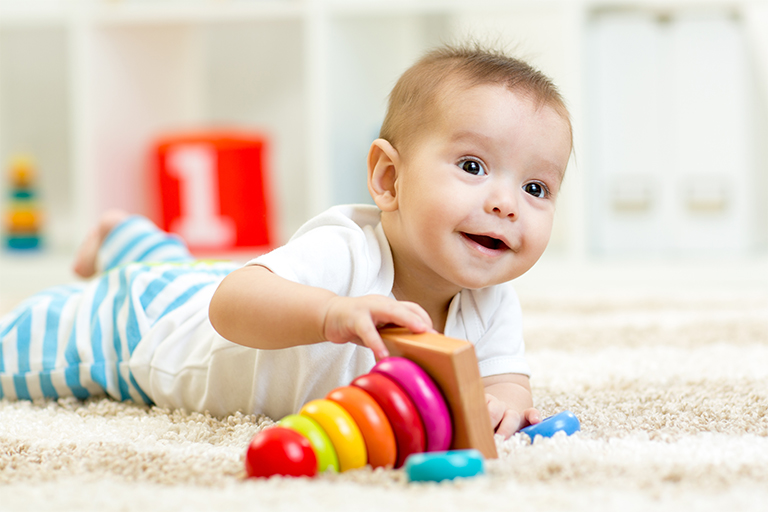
(383, 160)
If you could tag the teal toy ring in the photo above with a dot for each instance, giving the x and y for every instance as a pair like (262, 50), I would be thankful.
(565, 421)
(447, 465)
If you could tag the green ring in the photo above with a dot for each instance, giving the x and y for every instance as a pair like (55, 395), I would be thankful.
(321, 443)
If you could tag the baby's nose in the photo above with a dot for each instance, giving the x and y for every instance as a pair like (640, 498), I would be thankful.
(504, 203)
(501, 211)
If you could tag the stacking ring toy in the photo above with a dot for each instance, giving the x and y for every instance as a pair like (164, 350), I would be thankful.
(321, 443)
(341, 429)
(399, 408)
(426, 397)
(374, 425)
(438, 466)
(565, 421)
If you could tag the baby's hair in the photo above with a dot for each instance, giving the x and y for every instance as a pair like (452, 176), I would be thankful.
(416, 93)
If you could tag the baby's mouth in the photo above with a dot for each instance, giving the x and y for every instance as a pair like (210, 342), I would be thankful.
(487, 241)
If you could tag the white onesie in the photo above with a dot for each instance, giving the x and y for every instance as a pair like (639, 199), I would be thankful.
(343, 250)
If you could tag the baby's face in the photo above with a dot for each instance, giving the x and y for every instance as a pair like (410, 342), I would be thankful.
(476, 195)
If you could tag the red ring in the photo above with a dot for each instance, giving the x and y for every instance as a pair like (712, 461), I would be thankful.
(426, 396)
(399, 408)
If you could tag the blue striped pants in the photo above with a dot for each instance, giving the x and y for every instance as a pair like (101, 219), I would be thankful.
(76, 340)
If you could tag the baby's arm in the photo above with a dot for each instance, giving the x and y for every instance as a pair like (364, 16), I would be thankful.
(510, 403)
(256, 308)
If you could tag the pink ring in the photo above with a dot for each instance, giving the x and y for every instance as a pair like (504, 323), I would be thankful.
(426, 397)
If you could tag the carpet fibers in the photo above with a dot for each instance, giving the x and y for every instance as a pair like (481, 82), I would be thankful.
(672, 394)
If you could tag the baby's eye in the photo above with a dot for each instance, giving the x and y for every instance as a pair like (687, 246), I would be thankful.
(536, 189)
(472, 167)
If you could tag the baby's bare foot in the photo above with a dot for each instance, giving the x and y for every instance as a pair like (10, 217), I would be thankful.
(85, 259)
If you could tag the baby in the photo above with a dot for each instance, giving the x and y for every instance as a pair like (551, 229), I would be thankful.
(464, 176)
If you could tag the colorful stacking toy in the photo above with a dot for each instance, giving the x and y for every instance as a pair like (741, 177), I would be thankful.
(23, 220)
(383, 417)
(424, 412)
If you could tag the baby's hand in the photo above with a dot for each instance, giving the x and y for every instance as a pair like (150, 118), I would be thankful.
(357, 320)
(507, 421)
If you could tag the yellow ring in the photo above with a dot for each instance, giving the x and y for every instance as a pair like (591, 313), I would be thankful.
(343, 431)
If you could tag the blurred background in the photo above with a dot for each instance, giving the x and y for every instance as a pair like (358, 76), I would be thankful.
(667, 187)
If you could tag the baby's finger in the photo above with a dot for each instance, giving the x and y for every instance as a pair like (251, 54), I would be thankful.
(531, 416)
(403, 316)
(422, 315)
(371, 338)
(509, 424)
(495, 410)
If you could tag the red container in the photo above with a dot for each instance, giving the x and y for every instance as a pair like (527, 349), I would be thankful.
(213, 189)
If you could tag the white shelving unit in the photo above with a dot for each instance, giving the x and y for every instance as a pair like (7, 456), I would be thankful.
(685, 81)
(86, 85)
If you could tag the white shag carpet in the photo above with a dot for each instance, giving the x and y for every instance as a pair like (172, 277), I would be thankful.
(672, 394)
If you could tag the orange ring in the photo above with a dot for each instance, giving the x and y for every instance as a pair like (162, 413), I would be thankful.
(343, 431)
(374, 424)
